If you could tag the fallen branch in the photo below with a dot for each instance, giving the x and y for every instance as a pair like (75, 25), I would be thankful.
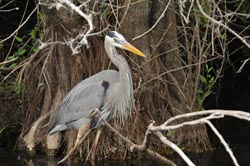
(156, 130)
(210, 114)
(151, 153)
(175, 147)
(230, 152)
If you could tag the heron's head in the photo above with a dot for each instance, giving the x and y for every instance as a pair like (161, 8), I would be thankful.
(115, 39)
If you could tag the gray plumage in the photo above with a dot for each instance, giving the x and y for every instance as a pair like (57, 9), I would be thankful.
(110, 91)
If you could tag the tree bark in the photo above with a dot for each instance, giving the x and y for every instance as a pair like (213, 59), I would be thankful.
(170, 94)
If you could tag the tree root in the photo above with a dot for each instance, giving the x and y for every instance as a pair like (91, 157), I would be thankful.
(29, 138)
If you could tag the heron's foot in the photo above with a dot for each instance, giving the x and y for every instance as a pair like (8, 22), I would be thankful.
(68, 156)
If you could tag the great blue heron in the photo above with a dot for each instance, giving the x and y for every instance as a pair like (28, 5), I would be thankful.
(109, 91)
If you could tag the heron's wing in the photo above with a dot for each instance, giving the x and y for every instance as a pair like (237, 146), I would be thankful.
(84, 98)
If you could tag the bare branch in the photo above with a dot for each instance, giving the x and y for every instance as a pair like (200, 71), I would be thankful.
(9, 10)
(146, 141)
(243, 64)
(78, 41)
(20, 26)
(230, 152)
(219, 23)
(161, 16)
(174, 147)
(151, 153)
(8, 61)
(209, 115)
(233, 113)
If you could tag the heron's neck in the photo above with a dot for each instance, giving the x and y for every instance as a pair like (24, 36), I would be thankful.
(123, 104)
(121, 64)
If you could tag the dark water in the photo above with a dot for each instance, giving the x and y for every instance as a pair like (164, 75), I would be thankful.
(215, 158)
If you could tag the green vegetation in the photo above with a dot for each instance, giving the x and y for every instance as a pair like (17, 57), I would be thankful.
(207, 81)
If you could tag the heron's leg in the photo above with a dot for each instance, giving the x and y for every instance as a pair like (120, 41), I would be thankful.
(95, 143)
(82, 134)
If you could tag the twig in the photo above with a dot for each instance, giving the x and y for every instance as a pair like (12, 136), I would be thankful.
(125, 13)
(174, 147)
(8, 61)
(160, 158)
(151, 153)
(161, 16)
(181, 6)
(20, 26)
(222, 141)
(173, 70)
(88, 18)
(8, 3)
(219, 23)
(243, 64)
(232, 113)
(116, 18)
(77, 42)
(211, 114)
(184, 124)
(145, 142)
(9, 10)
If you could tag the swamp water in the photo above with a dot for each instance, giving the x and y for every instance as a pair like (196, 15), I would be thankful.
(215, 158)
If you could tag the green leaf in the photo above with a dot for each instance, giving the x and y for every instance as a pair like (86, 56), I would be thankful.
(200, 91)
(41, 15)
(1, 45)
(34, 49)
(11, 57)
(223, 36)
(204, 40)
(17, 88)
(18, 39)
(211, 80)
(209, 69)
(20, 52)
(33, 33)
(13, 65)
(208, 93)
(203, 79)
(200, 101)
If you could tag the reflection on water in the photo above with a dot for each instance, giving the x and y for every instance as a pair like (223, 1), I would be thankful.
(15, 159)
(216, 158)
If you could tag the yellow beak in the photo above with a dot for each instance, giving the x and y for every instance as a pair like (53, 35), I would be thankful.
(129, 47)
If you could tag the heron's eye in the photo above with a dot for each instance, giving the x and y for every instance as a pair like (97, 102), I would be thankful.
(115, 39)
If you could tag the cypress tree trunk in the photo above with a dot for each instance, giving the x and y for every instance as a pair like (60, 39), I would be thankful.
(172, 93)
